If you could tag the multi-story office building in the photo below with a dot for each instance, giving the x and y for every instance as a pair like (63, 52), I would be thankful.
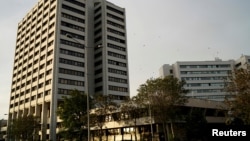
(63, 45)
(243, 62)
(204, 79)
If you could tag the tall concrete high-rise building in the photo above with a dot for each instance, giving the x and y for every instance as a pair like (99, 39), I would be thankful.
(63, 45)
(204, 79)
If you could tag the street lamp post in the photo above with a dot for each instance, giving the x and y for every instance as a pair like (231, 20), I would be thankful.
(88, 104)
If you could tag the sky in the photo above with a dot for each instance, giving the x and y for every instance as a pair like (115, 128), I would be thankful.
(158, 32)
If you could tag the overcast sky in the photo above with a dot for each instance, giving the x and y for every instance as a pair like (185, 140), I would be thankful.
(159, 32)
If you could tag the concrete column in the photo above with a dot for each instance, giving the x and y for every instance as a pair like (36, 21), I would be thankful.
(32, 111)
(25, 111)
(44, 120)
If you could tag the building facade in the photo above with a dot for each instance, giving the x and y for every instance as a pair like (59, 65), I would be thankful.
(64, 45)
(204, 79)
(243, 62)
(147, 128)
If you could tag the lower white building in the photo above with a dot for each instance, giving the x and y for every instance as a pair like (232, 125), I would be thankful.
(204, 79)
(242, 62)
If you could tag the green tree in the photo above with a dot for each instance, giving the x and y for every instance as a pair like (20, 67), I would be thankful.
(73, 112)
(24, 128)
(239, 98)
(104, 106)
(164, 94)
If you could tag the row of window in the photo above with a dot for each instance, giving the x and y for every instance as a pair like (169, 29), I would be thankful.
(71, 62)
(115, 24)
(71, 53)
(118, 97)
(116, 71)
(116, 39)
(73, 44)
(70, 17)
(117, 88)
(211, 97)
(205, 66)
(205, 84)
(115, 10)
(204, 78)
(112, 79)
(116, 63)
(73, 9)
(76, 3)
(116, 47)
(118, 80)
(66, 91)
(73, 35)
(116, 32)
(207, 91)
(71, 72)
(70, 82)
(115, 17)
(117, 55)
(206, 72)
(69, 25)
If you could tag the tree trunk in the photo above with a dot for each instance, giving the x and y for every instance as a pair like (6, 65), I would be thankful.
(165, 130)
(172, 129)
(100, 134)
(135, 130)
